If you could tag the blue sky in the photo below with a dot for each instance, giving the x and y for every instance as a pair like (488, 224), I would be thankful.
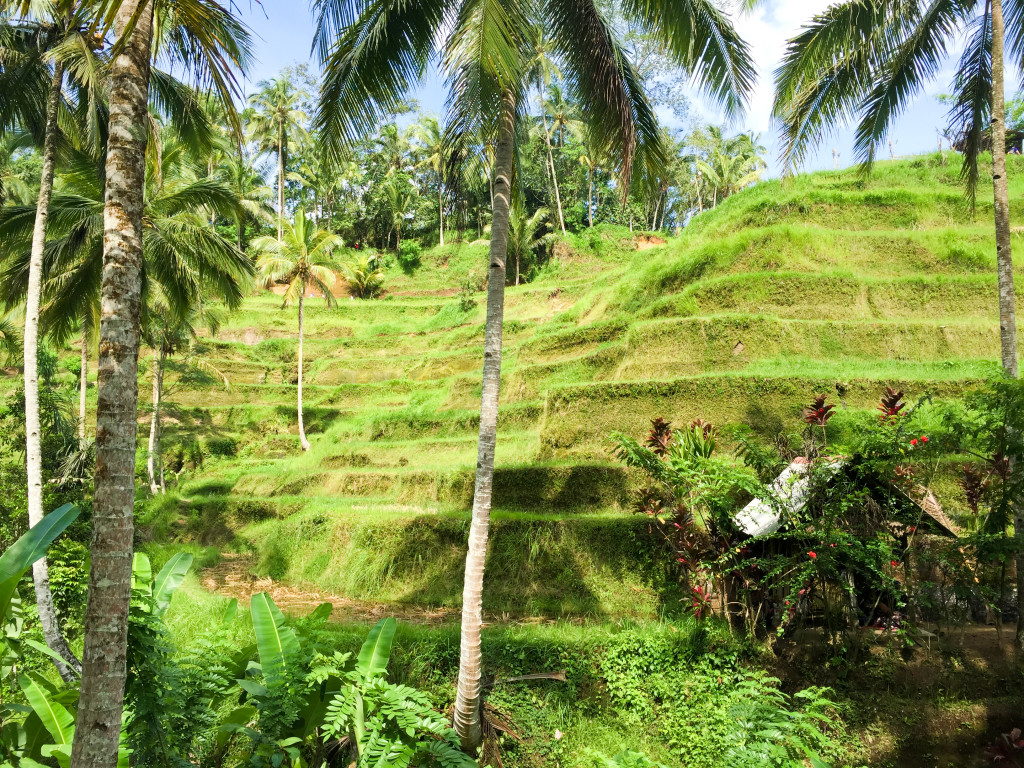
(284, 30)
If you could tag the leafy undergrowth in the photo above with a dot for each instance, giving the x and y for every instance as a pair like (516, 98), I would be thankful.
(684, 693)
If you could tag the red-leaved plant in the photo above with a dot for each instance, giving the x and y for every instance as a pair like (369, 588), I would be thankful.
(818, 412)
(891, 405)
(1007, 750)
(660, 437)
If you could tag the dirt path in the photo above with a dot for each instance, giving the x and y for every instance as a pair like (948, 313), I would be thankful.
(232, 577)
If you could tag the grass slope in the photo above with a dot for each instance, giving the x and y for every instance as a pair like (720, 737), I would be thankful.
(779, 293)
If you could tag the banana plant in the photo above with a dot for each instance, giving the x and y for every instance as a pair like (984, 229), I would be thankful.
(14, 564)
(49, 729)
(156, 593)
(388, 724)
(44, 728)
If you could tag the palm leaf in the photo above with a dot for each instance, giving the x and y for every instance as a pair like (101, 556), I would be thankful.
(914, 62)
(376, 61)
(972, 89)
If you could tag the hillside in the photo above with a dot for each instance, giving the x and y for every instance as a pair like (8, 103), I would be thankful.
(779, 293)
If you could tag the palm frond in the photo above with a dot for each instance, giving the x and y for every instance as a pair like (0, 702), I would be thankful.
(378, 58)
(211, 44)
(828, 69)
(702, 39)
(905, 70)
(599, 75)
(972, 89)
(180, 104)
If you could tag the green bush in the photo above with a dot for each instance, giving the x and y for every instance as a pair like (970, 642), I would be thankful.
(222, 446)
(409, 256)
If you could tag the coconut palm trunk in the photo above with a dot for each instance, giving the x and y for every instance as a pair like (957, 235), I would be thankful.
(1004, 257)
(440, 212)
(83, 386)
(554, 175)
(302, 427)
(100, 703)
(33, 429)
(280, 179)
(154, 424)
(1004, 260)
(468, 702)
(590, 197)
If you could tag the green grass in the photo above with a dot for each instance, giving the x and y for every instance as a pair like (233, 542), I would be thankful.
(778, 294)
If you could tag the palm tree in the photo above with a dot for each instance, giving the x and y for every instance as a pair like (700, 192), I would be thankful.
(58, 31)
(872, 58)
(542, 72)
(210, 43)
(375, 51)
(301, 261)
(168, 331)
(275, 121)
(398, 198)
(526, 233)
(246, 184)
(729, 165)
(184, 259)
(430, 135)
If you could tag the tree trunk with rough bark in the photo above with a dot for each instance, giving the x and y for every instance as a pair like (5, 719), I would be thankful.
(1004, 257)
(153, 453)
(280, 180)
(554, 175)
(440, 213)
(1004, 263)
(468, 700)
(302, 427)
(33, 429)
(83, 386)
(590, 198)
(101, 698)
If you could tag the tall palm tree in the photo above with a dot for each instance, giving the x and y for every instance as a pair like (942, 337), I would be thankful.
(168, 331)
(59, 33)
(301, 261)
(431, 137)
(236, 171)
(275, 121)
(374, 51)
(871, 58)
(543, 70)
(398, 198)
(207, 41)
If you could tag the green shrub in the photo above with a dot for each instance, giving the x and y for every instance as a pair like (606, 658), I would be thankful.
(409, 256)
(222, 446)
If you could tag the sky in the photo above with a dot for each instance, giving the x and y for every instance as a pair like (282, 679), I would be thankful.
(284, 34)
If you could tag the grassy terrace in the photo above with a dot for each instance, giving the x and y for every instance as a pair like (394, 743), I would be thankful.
(779, 293)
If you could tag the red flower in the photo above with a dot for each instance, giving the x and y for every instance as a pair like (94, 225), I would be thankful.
(914, 441)
(912, 529)
(894, 563)
(812, 555)
(924, 439)
(832, 545)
